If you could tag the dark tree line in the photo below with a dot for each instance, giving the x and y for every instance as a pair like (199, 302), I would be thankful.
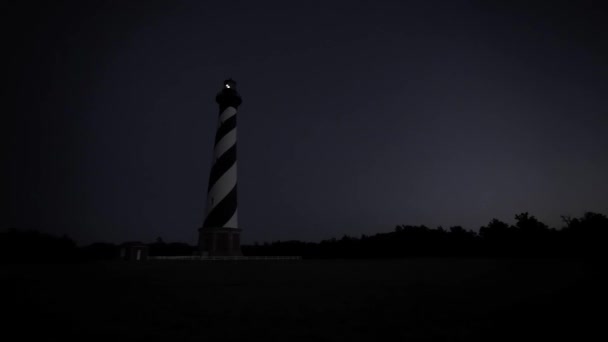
(580, 237)
(107, 251)
(33, 246)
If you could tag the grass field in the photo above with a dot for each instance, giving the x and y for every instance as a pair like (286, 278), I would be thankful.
(310, 300)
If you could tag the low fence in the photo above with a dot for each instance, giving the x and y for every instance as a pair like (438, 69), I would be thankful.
(224, 258)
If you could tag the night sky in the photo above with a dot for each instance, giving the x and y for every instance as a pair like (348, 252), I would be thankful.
(356, 115)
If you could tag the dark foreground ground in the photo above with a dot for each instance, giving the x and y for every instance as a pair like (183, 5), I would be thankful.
(411, 299)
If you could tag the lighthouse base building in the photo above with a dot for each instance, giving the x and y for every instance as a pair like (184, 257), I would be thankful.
(219, 242)
(220, 234)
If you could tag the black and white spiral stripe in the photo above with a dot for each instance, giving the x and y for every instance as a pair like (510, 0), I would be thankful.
(222, 190)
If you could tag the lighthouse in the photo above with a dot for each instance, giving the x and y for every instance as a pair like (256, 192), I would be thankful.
(220, 234)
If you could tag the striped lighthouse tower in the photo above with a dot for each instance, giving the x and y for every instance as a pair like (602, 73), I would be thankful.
(220, 235)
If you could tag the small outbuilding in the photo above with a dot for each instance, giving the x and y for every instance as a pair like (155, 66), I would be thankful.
(134, 251)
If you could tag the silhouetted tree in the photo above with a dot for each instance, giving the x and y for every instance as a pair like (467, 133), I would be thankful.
(586, 235)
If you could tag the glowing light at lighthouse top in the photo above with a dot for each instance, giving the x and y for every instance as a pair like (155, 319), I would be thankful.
(230, 84)
(228, 97)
